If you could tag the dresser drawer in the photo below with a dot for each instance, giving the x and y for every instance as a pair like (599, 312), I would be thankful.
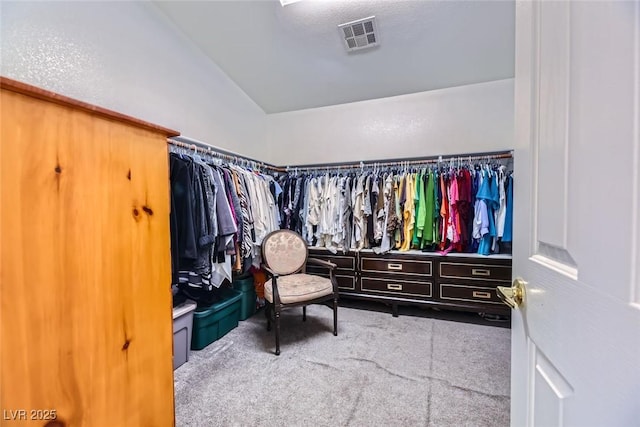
(469, 293)
(395, 287)
(396, 265)
(342, 262)
(492, 272)
(345, 281)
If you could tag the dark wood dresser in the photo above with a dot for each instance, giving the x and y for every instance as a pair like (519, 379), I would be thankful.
(455, 281)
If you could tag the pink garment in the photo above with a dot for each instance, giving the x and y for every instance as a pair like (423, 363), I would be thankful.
(446, 251)
(453, 201)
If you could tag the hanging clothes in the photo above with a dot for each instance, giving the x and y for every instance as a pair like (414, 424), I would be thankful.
(359, 224)
(219, 214)
(463, 207)
(501, 213)
(380, 212)
(427, 209)
(428, 236)
(388, 227)
(488, 198)
(508, 222)
(434, 215)
(372, 211)
(444, 212)
(408, 212)
(420, 210)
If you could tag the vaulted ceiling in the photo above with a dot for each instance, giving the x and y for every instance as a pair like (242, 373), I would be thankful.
(293, 57)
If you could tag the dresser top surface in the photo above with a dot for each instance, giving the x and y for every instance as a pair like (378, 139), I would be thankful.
(418, 253)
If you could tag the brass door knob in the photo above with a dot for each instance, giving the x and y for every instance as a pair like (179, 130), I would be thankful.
(513, 296)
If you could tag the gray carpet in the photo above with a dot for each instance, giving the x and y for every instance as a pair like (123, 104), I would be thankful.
(378, 371)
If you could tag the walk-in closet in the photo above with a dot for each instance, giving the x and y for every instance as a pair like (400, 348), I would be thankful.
(327, 213)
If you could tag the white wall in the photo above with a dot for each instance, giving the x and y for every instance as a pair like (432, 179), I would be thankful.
(473, 118)
(125, 56)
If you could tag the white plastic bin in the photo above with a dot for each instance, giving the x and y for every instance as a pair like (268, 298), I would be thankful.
(182, 326)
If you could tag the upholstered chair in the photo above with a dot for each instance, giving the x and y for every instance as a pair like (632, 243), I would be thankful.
(285, 256)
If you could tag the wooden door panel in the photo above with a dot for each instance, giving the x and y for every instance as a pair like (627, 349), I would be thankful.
(85, 296)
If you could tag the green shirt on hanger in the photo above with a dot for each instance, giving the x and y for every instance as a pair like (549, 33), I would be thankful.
(427, 234)
(419, 202)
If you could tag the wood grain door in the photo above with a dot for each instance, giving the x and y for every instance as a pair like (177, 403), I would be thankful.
(86, 326)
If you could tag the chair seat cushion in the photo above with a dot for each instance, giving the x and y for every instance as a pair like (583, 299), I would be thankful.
(298, 288)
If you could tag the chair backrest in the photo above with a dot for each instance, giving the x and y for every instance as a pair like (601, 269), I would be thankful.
(284, 251)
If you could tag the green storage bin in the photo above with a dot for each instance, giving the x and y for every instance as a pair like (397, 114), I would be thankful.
(248, 300)
(213, 322)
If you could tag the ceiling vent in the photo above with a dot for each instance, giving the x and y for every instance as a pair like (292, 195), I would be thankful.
(359, 34)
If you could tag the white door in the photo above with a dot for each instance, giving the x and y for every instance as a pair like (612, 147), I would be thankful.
(576, 337)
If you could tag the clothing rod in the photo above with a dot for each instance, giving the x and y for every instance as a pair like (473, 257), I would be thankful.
(229, 155)
(406, 161)
(192, 144)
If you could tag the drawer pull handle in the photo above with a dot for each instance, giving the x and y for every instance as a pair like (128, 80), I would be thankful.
(485, 295)
(391, 266)
(480, 272)
(394, 287)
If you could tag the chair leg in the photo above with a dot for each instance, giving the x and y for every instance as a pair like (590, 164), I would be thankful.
(277, 332)
(304, 313)
(335, 317)
(267, 313)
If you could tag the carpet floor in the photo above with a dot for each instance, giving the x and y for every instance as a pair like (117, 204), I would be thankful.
(379, 371)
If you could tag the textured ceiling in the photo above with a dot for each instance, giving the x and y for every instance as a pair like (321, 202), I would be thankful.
(292, 58)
